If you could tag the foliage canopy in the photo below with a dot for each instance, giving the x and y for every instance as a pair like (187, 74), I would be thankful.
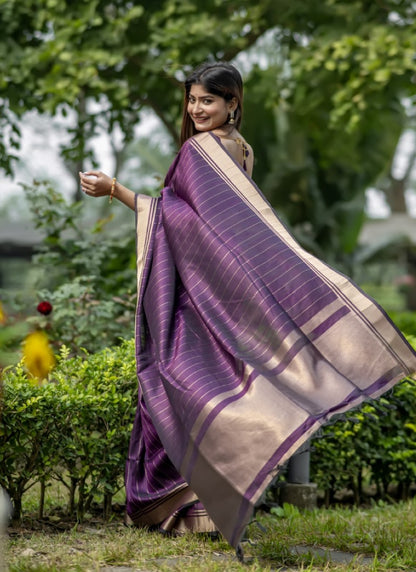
(346, 57)
(328, 95)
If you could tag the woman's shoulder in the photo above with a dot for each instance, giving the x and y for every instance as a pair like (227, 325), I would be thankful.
(234, 143)
(238, 147)
(230, 141)
(233, 140)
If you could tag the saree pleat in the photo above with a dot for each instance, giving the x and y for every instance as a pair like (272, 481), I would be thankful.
(246, 344)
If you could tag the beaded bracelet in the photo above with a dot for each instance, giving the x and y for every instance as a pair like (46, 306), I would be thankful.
(113, 186)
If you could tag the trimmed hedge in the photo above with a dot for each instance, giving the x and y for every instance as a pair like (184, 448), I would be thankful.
(74, 428)
(375, 445)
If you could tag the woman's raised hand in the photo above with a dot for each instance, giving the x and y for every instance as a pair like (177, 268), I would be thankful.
(95, 183)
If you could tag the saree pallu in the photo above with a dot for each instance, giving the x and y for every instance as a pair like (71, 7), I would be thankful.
(246, 344)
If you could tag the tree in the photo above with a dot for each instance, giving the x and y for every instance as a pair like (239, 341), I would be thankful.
(354, 68)
(331, 109)
(121, 54)
(315, 176)
(332, 115)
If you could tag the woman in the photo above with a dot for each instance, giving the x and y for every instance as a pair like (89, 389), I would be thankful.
(213, 102)
(246, 344)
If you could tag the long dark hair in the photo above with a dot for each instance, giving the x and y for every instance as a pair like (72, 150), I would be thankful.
(219, 78)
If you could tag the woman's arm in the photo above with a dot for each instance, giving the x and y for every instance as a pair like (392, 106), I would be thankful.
(98, 184)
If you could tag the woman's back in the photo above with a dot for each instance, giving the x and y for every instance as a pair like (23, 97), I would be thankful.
(237, 147)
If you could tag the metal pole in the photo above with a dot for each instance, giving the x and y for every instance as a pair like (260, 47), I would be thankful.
(298, 490)
(298, 470)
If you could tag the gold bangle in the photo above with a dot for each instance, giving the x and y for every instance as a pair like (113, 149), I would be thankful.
(113, 186)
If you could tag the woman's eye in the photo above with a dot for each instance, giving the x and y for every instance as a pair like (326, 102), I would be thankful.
(192, 101)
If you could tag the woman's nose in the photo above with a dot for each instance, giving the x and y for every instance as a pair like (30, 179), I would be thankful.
(196, 108)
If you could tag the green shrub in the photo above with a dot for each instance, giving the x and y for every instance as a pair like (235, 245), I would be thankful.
(74, 428)
(405, 321)
(28, 438)
(375, 444)
(84, 270)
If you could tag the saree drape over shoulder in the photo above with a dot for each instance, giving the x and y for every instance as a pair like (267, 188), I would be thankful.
(246, 345)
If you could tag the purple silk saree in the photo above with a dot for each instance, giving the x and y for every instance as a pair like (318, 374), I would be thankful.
(246, 345)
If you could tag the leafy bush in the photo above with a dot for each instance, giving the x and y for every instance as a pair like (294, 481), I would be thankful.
(375, 444)
(28, 438)
(405, 321)
(86, 273)
(75, 428)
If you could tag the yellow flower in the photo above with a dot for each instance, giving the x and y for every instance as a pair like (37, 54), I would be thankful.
(3, 316)
(37, 355)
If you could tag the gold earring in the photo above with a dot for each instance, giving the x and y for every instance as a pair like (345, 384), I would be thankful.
(231, 120)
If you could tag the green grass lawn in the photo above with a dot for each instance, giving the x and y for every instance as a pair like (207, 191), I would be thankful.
(380, 538)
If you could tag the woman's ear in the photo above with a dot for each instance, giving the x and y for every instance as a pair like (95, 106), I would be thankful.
(233, 104)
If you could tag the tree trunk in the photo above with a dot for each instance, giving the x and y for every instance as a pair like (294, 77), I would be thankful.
(17, 508)
(395, 191)
(395, 195)
(41, 498)
(108, 498)
(81, 500)
(79, 165)
(72, 490)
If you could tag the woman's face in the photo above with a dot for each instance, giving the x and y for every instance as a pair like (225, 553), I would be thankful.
(206, 110)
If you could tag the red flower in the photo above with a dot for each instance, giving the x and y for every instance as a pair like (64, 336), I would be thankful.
(44, 308)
